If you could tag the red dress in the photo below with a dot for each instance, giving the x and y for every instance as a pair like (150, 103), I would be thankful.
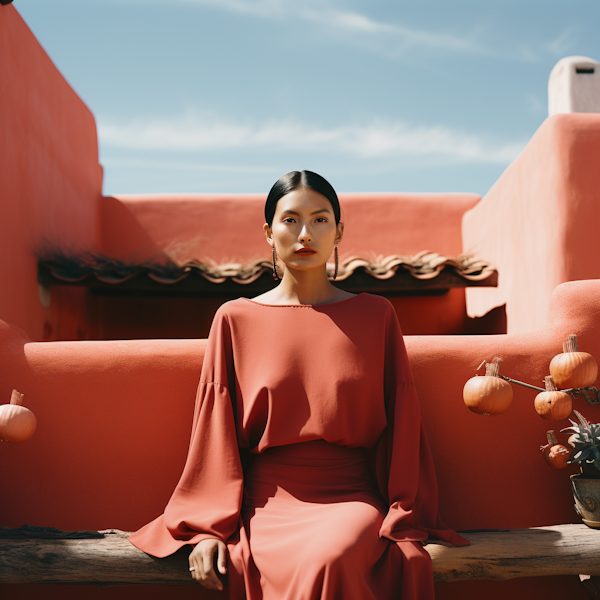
(308, 457)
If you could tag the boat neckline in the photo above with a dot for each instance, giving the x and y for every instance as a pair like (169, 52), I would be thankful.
(304, 305)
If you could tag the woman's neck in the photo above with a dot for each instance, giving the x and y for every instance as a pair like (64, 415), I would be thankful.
(304, 287)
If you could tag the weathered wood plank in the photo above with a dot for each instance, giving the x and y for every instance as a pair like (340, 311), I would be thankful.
(112, 560)
(508, 554)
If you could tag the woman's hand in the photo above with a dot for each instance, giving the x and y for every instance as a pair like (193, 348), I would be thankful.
(202, 561)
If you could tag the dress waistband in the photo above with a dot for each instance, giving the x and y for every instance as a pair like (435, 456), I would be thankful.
(318, 449)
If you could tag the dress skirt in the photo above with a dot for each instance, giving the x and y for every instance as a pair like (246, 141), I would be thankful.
(309, 530)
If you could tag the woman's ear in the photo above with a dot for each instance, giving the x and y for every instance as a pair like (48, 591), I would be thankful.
(340, 232)
(268, 233)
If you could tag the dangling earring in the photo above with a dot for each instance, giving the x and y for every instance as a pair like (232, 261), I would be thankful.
(275, 275)
(337, 261)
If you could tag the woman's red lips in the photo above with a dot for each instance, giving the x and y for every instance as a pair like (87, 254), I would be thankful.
(305, 251)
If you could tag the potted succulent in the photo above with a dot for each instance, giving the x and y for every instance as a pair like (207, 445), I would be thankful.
(585, 440)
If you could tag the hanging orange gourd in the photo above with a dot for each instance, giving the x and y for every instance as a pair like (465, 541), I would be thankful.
(552, 404)
(573, 369)
(488, 394)
(555, 454)
(17, 423)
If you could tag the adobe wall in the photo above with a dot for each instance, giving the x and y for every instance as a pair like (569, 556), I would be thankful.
(228, 228)
(539, 222)
(114, 420)
(50, 181)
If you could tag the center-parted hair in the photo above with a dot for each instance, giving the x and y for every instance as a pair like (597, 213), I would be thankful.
(295, 180)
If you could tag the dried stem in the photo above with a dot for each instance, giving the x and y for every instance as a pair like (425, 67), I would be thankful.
(584, 392)
(571, 344)
(550, 385)
(551, 437)
(16, 398)
(493, 369)
(527, 385)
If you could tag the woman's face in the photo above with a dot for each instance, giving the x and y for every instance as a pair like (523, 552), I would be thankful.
(304, 219)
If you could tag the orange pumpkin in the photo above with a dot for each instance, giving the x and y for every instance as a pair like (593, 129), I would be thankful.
(573, 369)
(488, 394)
(17, 423)
(556, 455)
(552, 404)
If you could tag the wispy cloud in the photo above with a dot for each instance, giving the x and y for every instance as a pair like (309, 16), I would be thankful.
(562, 43)
(401, 37)
(364, 142)
(260, 8)
(178, 165)
(389, 38)
(354, 27)
(557, 47)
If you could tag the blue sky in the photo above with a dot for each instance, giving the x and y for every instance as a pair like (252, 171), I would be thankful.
(379, 95)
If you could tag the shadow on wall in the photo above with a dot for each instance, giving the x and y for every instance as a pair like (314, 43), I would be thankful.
(139, 317)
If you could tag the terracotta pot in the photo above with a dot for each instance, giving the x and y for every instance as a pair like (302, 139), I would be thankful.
(586, 492)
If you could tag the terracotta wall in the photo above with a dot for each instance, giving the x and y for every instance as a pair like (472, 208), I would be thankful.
(228, 227)
(114, 420)
(50, 181)
(539, 222)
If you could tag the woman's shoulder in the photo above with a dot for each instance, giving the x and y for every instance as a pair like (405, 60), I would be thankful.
(374, 304)
(376, 300)
(231, 307)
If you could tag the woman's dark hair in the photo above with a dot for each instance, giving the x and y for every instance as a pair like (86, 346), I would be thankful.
(295, 180)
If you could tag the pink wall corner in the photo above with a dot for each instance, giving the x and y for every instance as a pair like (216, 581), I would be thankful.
(50, 179)
(539, 222)
(228, 227)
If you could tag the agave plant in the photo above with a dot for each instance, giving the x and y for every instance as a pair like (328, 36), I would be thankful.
(585, 439)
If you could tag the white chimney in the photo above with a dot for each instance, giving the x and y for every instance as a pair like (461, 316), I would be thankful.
(574, 86)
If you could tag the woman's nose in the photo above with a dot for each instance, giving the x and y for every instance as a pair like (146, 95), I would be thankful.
(304, 234)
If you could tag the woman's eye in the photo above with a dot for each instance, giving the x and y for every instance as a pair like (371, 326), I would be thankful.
(292, 220)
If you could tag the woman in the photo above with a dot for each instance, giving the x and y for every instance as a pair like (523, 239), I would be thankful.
(308, 474)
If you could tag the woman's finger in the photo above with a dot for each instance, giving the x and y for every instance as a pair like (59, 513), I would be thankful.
(196, 569)
(222, 560)
(211, 580)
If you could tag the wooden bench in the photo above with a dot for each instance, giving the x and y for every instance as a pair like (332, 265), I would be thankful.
(48, 555)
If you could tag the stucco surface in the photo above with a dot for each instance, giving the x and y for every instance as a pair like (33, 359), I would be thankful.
(114, 420)
(539, 222)
(228, 227)
(50, 179)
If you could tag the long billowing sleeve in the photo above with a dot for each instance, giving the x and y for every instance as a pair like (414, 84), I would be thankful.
(207, 500)
(403, 462)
